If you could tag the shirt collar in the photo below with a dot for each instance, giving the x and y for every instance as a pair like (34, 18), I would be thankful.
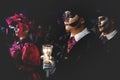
(81, 34)
(110, 35)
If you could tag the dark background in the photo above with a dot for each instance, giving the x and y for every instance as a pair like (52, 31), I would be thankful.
(47, 11)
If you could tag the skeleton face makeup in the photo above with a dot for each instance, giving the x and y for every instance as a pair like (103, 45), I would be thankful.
(103, 23)
(16, 29)
(20, 24)
(72, 21)
(102, 20)
(11, 26)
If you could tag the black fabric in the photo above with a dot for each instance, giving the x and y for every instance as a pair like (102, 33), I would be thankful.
(81, 61)
(7, 69)
(109, 67)
(103, 39)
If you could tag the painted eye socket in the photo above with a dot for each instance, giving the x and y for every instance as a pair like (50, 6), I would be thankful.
(101, 18)
(13, 25)
(73, 24)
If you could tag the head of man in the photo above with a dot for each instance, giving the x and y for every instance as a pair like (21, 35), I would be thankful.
(106, 24)
(72, 20)
(107, 20)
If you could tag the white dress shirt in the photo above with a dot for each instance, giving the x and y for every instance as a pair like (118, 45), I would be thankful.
(81, 34)
(110, 35)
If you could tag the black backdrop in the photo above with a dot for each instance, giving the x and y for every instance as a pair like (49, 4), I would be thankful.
(45, 11)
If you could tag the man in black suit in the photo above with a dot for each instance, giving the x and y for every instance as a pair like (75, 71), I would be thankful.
(79, 57)
(110, 37)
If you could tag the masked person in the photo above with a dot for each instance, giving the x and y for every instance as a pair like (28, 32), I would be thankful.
(23, 51)
(79, 56)
(110, 37)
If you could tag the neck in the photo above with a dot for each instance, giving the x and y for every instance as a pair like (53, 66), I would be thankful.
(109, 31)
(21, 38)
(77, 30)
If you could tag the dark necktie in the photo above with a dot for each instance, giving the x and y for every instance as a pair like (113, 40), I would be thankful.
(103, 39)
(71, 43)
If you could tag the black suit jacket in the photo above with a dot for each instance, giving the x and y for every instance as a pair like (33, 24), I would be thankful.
(109, 66)
(80, 61)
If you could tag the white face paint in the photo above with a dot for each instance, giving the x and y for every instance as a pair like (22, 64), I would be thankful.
(104, 24)
(16, 29)
(68, 14)
(102, 20)
(11, 27)
(69, 21)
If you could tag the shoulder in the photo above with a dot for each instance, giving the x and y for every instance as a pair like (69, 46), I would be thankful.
(29, 44)
(91, 36)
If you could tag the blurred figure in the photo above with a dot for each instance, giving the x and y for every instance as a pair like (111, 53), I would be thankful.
(79, 57)
(23, 51)
(110, 37)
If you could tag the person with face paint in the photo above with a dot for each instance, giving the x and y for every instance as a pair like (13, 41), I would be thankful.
(110, 37)
(23, 51)
(106, 25)
(78, 58)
